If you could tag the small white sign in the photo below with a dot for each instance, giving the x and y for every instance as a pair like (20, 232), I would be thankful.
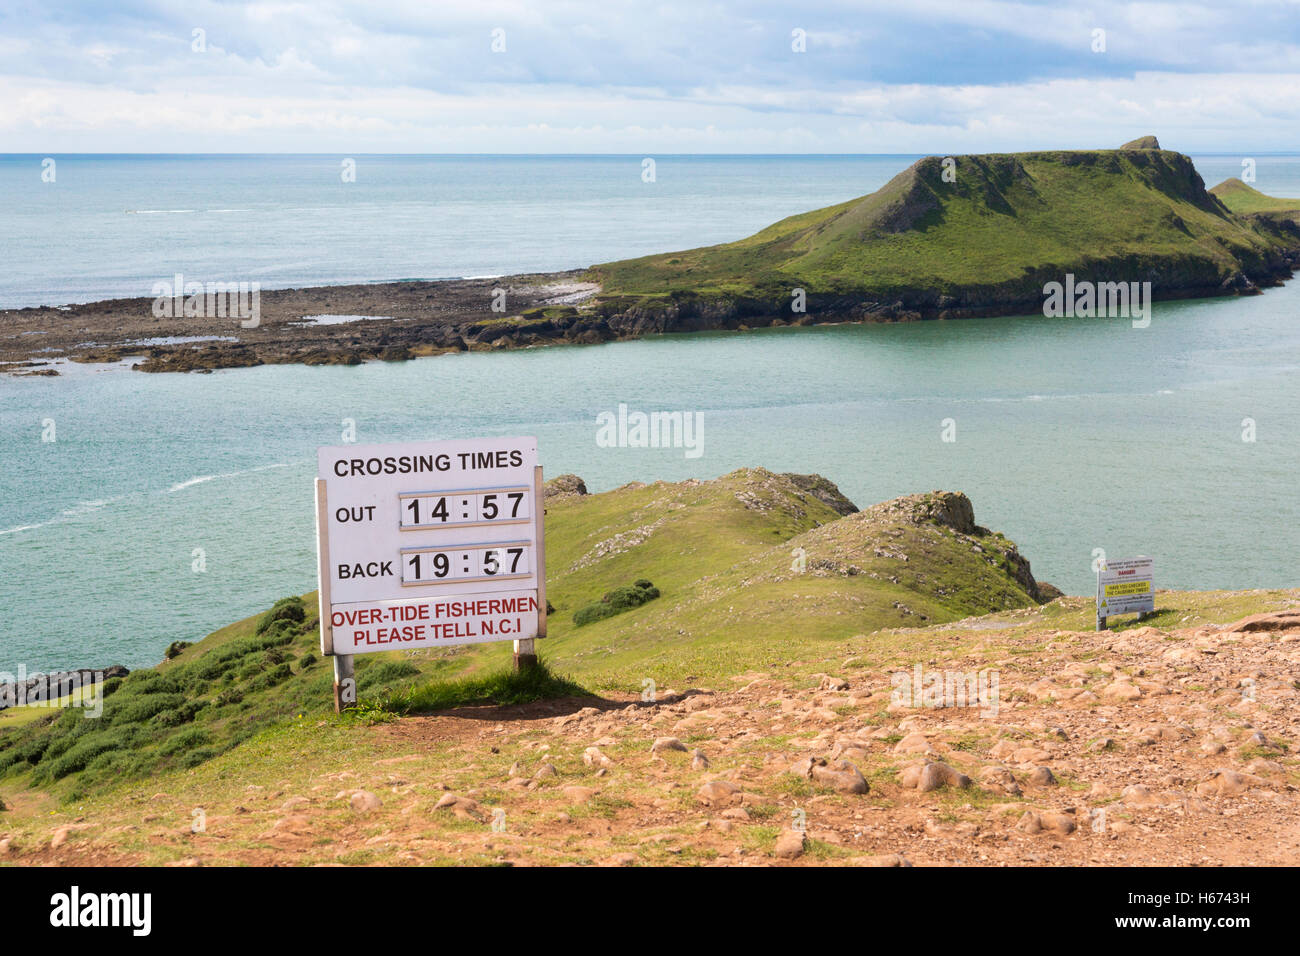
(1126, 587)
(428, 543)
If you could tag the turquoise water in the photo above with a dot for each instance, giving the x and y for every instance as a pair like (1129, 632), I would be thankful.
(1072, 434)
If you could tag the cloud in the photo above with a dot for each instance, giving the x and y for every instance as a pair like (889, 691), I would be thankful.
(680, 75)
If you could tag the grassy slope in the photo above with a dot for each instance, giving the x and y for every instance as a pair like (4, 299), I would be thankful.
(1244, 200)
(248, 700)
(719, 551)
(1005, 217)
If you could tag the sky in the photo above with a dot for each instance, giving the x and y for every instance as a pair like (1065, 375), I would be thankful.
(622, 76)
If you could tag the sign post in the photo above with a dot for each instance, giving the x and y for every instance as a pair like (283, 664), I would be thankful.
(525, 654)
(1125, 587)
(429, 544)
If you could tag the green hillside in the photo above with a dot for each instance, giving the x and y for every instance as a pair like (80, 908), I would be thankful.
(1245, 200)
(722, 554)
(1005, 225)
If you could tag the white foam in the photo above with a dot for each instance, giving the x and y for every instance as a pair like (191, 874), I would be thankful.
(202, 479)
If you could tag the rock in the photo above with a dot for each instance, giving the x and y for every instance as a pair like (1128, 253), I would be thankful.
(1142, 142)
(545, 771)
(718, 793)
(882, 859)
(931, 775)
(1139, 795)
(1029, 755)
(912, 744)
(1047, 821)
(699, 761)
(564, 486)
(576, 794)
(1260, 766)
(1003, 748)
(621, 859)
(824, 490)
(1121, 690)
(462, 807)
(363, 801)
(999, 780)
(663, 744)
(1227, 783)
(832, 683)
(841, 776)
(1273, 621)
(1042, 777)
(7, 846)
(592, 757)
(790, 844)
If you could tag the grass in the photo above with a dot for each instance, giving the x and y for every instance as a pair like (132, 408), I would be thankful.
(1007, 224)
(1244, 200)
(503, 687)
(189, 710)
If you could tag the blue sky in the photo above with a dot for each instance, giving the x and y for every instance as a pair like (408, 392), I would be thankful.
(912, 76)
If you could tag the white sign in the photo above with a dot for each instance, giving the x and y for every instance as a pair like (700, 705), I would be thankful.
(427, 544)
(1125, 587)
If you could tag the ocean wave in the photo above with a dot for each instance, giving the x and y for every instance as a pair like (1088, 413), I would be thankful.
(25, 527)
(86, 507)
(202, 479)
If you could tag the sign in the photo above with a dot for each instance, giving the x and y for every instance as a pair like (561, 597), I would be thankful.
(429, 544)
(1125, 587)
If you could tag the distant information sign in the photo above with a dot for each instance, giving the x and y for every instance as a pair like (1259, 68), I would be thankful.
(428, 544)
(1125, 587)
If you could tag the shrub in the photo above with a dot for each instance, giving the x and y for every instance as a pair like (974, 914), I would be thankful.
(196, 757)
(84, 752)
(178, 715)
(280, 673)
(139, 707)
(174, 649)
(186, 740)
(616, 602)
(288, 609)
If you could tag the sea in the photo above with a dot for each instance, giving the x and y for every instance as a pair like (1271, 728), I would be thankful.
(137, 510)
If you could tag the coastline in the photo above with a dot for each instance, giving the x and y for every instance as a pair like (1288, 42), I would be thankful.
(397, 321)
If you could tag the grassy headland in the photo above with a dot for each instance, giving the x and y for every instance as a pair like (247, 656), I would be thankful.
(970, 235)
